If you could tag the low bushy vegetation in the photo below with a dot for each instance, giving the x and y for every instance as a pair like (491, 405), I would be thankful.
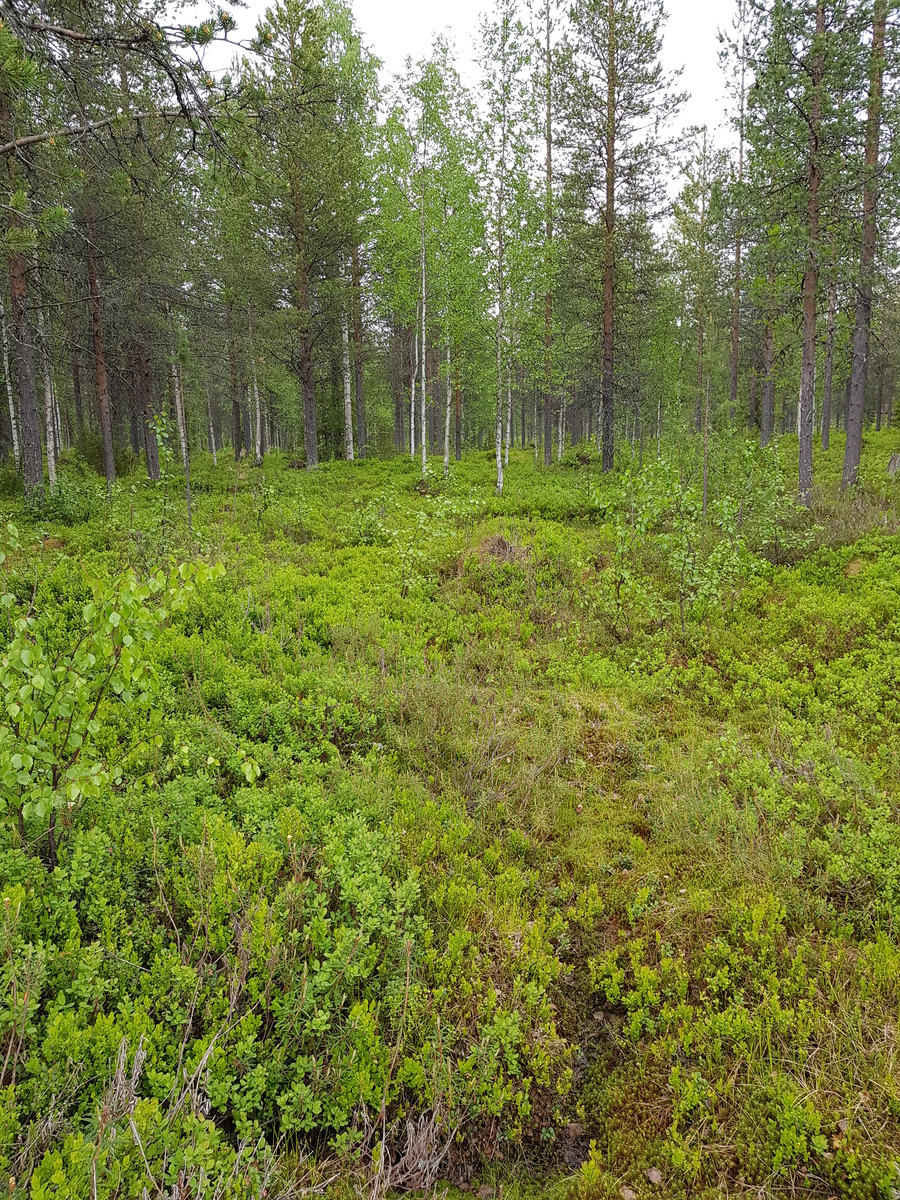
(378, 833)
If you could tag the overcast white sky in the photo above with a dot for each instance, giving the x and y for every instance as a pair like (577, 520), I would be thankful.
(397, 28)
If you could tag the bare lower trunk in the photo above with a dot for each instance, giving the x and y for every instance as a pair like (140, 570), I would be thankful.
(609, 293)
(447, 406)
(752, 396)
(183, 439)
(306, 371)
(412, 387)
(829, 363)
(811, 276)
(348, 397)
(211, 432)
(736, 299)
(862, 331)
(548, 254)
(424, 355)
(50, 438)
(258, 439)
(7, 375)
(151, 442)
(236, 435)
(361, 432)
(767, 418)
(23, 345)
(457, 404)
(103, 413)
(509, 414)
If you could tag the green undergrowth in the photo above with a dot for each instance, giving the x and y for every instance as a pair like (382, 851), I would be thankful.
(562, 826)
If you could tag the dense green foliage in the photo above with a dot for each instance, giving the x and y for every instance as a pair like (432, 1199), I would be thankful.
(565, 821)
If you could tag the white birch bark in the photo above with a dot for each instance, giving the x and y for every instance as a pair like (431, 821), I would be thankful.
(49, 417)
(509, 412)
(348, 399)
(424, 446)
(13, 419)
(447, 417)
(412, 395)
(179, 410)
(211, 433)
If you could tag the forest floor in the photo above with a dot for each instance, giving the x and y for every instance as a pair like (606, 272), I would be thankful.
(567, 821)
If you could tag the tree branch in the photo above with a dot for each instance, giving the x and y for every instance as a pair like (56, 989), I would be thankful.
(73, 130)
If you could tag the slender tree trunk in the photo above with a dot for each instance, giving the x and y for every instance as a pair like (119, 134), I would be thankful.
(548, 252)
(412, 389)
(236, 437)
(103, 413)
(424, 354)
(706, 448)
(151, 442)
(258, 440)
(23, 343)
(753, 390)
(811, 277)
(361, 432)
(47, 375)
(304, 318)
(210, 425)
(246, 424)
(7, 375)
(520, 383)
(701, 297)
(736, 300)
(609, 291)
(398, 381)
(879, 394)
(348, 398)
(457, 404)
(830, 327)
(767, 417)
(135, 424)
(509, 413)
(862, 331)
(447, 407)
(498, 431)
(178, 396)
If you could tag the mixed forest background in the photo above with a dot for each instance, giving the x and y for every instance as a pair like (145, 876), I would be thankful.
(297, 254)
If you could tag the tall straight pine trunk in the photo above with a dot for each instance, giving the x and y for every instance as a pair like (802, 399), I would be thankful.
(767, 414)
(304, 320)
(738, 248)
(609, 292)
(257, 407)
(830, 329)
(811, 275)
(548, 265)
(863, 328)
